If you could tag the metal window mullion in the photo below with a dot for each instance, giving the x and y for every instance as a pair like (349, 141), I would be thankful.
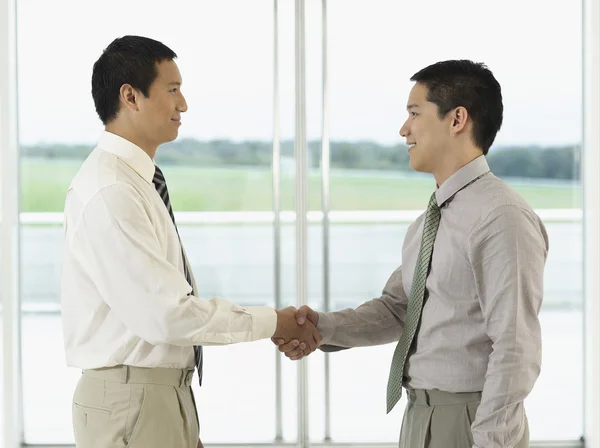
(301, 209)
(325, 196)
(276, 170)
(591, 216)
(9, 227)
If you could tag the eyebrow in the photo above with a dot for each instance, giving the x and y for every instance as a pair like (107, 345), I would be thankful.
(412, 106)
(174, 83)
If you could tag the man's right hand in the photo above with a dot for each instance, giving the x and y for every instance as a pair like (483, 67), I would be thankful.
(293, 331)
(293, 348)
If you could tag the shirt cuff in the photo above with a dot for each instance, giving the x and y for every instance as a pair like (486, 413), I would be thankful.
(264, 321)
(326, 327)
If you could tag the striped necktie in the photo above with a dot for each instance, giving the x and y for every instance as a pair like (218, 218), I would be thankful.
(415, 303)
(161, 187)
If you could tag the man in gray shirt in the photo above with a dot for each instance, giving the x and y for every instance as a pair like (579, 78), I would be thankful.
(463, 306)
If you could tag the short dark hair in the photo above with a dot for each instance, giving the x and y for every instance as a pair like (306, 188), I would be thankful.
(455, 83)
(127, 60)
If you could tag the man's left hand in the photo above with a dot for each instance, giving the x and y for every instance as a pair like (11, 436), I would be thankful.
(200, 444)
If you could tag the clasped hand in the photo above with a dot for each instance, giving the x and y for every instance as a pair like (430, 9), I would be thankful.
(296, 334)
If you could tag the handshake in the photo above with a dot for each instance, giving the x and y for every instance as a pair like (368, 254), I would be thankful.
(296, 334)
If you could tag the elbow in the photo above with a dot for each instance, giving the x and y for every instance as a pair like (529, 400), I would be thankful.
(180, 325)
(175, 324)
(155, 328)
(155, 334)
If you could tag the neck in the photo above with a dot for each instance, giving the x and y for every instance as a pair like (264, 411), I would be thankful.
(455, 162)
(128, 132)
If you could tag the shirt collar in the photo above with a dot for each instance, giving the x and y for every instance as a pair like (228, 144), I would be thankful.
(130, 153)
(468, 173)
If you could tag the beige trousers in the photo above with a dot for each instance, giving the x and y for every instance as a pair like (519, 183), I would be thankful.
(134, 407)
(436, 419)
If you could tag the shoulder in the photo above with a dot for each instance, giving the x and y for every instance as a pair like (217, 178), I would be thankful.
(490, 197)
(103, 177)
(502, 211)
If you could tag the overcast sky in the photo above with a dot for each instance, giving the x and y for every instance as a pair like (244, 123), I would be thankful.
(225, 50)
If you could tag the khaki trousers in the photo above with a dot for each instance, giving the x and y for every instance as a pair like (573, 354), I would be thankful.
(436, 419)
(124, 406)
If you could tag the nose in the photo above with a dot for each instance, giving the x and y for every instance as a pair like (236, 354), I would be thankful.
(182, 106)
(404, 130)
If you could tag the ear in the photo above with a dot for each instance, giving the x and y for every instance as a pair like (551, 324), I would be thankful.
(458, 120)
(129, 97)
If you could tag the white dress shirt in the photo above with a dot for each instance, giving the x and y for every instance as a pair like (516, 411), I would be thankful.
(124, 295)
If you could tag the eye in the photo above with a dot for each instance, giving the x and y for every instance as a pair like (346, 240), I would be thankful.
(173, 90)
(413, 114)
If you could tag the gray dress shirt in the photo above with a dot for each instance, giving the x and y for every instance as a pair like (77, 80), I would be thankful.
(479, 327)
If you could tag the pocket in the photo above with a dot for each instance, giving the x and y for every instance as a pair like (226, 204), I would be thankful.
(141, 412)
(88, 418)
(416, 426)
(89, 424)
(195, 408)
(91, 408)
(470, 412)
(160, 423)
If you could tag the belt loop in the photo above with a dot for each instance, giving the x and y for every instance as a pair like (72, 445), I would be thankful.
(126, 374)
(186, 378)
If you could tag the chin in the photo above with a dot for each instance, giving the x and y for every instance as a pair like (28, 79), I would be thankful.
(170, 138)
(420, 164)
(415, 165)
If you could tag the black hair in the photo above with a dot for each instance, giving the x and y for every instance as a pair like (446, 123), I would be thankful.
(127, 60)
(455, 83)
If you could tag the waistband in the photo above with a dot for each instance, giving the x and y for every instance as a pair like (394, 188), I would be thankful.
(423, 397)
(143, 375)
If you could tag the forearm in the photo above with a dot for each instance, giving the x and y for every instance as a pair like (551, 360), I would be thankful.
(372, 323)
(216, 322)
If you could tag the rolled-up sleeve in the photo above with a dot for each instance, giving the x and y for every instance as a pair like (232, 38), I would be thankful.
(143, 289)
(508, 252)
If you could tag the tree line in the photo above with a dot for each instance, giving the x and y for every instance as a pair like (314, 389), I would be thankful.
(556, 162)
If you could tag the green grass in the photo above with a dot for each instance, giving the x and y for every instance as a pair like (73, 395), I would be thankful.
(45, 182)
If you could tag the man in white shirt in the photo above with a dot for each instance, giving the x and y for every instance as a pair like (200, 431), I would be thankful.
(131, 319)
